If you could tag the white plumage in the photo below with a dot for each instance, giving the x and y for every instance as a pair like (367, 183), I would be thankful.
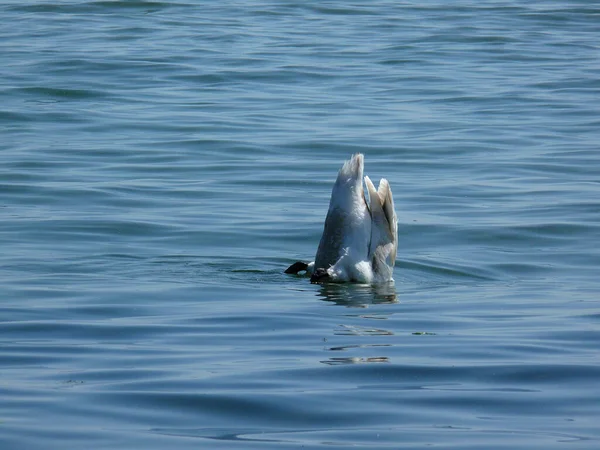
(359, 240)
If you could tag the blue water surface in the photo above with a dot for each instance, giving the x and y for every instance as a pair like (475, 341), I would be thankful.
(162, 163)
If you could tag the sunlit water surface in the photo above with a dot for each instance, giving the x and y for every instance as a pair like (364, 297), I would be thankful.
(162, 163)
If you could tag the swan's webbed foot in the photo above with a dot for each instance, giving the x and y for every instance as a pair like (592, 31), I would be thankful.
(298, 266)
(319, 276)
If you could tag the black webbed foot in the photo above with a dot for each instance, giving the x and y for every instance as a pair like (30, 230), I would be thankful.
(319, 276)
(298, 266)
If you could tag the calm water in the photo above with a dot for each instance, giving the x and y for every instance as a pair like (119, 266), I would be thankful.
(162, 163)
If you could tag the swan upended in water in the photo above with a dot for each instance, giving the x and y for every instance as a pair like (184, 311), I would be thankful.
(360, 239)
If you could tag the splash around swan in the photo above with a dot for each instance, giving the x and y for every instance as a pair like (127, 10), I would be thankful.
(360, 238)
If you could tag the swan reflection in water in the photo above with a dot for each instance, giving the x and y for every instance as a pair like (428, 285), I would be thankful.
(358, 295)
(370, 327)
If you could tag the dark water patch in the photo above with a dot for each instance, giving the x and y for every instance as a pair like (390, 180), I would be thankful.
(541, 235)
(62, 93)
(78, 330)
(449, 272)
(9, 118)
(108, 376)
(349, 10)
(97, 6)
(311, 410)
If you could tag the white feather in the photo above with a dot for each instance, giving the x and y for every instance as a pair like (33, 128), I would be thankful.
(359, 241)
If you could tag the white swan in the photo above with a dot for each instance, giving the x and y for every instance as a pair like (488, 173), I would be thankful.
(359, 240)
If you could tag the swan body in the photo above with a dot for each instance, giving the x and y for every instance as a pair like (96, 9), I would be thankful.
(360, 239)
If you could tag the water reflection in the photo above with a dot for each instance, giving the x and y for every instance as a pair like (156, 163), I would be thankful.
(369, 349)
(358, 295)
(355, 360)
(354, 330)
(360, 326)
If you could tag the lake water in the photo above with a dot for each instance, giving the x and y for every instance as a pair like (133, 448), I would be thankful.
(162, 163)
